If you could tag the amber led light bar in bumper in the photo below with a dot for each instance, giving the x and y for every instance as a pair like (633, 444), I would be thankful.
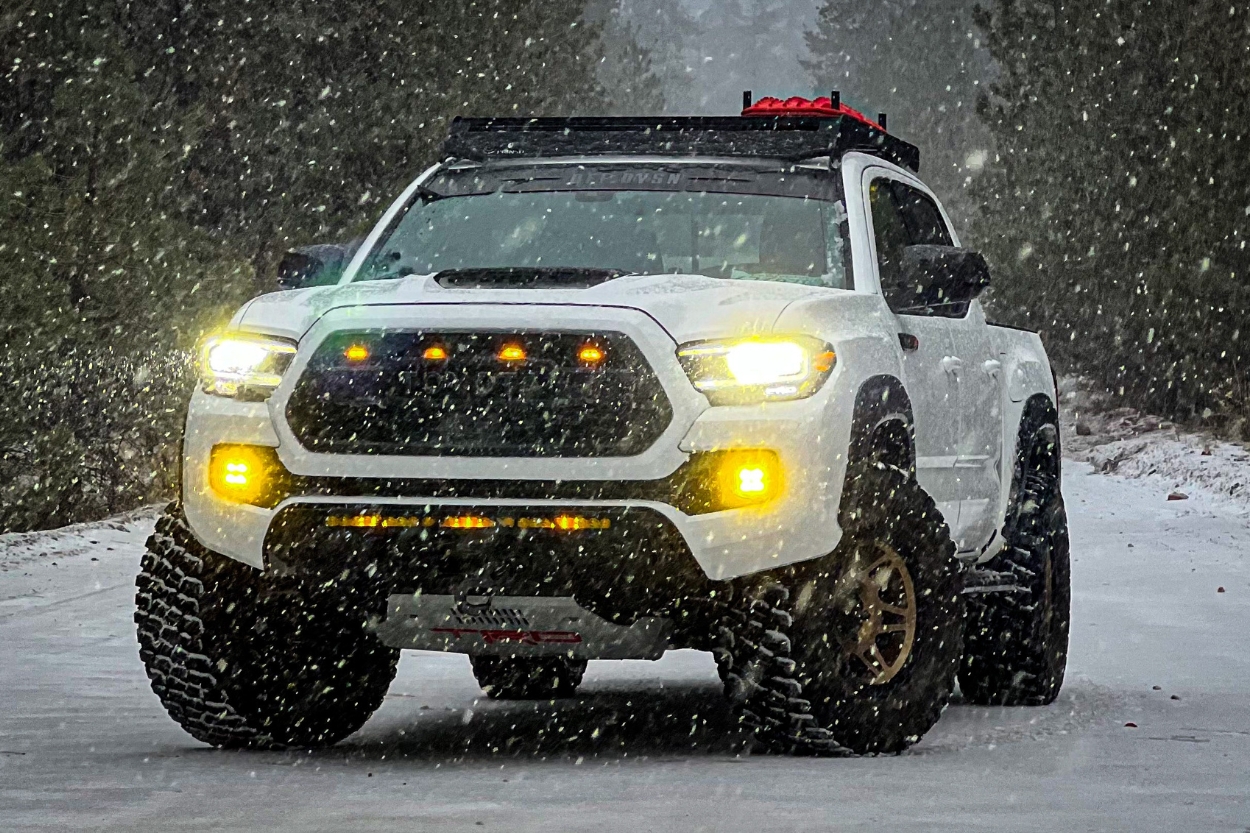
(562, 522)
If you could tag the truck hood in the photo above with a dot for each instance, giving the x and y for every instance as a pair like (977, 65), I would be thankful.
(688, 307)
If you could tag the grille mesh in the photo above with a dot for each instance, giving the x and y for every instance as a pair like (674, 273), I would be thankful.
(472, 403)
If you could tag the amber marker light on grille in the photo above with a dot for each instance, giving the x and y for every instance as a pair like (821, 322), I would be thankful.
(356, 353)
(435, 353)
(512, 353)
(591, 354)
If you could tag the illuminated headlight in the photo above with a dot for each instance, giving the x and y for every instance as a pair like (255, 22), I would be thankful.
(243, 366)
(749, 371)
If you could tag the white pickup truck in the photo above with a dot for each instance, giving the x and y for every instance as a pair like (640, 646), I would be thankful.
(598, 388)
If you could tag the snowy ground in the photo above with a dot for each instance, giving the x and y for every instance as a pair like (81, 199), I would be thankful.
(85, 746)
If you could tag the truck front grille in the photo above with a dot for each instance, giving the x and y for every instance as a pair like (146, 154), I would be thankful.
(478, 394)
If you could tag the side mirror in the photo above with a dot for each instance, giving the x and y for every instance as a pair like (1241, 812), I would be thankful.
(319, 265)
(938, 280)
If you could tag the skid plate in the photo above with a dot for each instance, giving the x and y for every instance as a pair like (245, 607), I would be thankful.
(525, 626)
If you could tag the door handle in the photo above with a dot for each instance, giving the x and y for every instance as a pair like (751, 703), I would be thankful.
(952, 364)
(992, 368)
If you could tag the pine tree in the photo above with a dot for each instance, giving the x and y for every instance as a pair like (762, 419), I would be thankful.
(742, 45)
(157, 157)
(630, 69)
(1120, 193)
(922, 64)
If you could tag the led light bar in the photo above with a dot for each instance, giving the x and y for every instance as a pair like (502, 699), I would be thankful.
(564, 523)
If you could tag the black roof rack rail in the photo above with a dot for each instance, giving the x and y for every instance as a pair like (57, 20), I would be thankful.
(791, 138)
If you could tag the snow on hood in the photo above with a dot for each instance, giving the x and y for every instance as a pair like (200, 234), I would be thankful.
(689, 307)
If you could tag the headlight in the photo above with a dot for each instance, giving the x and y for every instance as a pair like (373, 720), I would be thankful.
(243, 366)
(753, 370)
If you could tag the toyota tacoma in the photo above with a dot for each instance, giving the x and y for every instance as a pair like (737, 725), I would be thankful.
(597, 388)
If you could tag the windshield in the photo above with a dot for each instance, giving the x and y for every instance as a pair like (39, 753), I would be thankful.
(795, 239)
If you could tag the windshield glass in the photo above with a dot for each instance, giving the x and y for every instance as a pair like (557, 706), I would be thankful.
(796, 239)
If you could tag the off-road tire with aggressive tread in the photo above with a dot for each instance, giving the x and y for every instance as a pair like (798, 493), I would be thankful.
(240, 662)
(795, 687)
(753, 658)
(528, 678)
(1016, 643)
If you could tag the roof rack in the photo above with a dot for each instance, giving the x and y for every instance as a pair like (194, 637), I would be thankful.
(785, 130)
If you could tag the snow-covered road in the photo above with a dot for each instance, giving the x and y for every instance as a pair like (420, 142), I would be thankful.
(84, 744)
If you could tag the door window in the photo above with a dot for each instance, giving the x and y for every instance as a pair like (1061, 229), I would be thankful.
(903, 216)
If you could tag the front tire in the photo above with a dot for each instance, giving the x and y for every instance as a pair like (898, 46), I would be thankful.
(859, 651)
(238, 661)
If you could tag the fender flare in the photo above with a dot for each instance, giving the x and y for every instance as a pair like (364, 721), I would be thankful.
(881, 404)
(1038, 410)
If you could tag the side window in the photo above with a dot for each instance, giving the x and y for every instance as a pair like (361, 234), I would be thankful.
(903, 216)
(921, 216)
(889, 231)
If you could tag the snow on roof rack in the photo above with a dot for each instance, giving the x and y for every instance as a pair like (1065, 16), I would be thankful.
(789, 133)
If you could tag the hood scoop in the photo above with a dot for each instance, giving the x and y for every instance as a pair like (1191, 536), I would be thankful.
(556, 277)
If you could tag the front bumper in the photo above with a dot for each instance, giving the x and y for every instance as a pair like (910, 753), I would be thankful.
(809, 437)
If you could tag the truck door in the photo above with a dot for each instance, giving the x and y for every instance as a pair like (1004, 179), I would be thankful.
(973, 371)
(979, 446)
(927, 355)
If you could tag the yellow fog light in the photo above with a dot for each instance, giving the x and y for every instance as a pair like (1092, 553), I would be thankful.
(748, 477)
(751, 481)
(247, 474)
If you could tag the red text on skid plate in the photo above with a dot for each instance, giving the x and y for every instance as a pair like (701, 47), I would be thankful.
(491, 636)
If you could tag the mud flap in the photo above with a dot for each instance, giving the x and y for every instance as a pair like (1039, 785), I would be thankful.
(521, 626)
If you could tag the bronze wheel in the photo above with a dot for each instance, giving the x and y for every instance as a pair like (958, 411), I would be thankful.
(857, 651)
(885, 603)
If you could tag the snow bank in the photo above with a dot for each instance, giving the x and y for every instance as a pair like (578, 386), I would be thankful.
(1125, 442)
(20, 549)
